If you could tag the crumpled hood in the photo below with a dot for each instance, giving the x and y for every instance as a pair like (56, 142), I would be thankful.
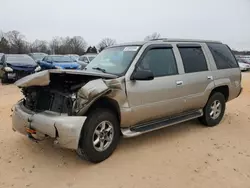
(43, 78)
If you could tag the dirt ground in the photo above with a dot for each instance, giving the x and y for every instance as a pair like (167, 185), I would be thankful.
(185, 155)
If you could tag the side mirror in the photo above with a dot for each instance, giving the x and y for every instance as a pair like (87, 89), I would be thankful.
(142, 75)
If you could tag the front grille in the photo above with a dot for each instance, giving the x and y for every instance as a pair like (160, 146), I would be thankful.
(21, 74)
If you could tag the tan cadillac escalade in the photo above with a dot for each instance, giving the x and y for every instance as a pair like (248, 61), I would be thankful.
(128, 90)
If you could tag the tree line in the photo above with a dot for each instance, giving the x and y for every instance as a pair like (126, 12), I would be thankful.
(15, 42)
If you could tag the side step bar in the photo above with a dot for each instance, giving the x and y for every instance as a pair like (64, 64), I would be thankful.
(154, 125)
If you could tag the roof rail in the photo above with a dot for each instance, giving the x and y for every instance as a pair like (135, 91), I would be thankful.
(158, 39)
(184, 40)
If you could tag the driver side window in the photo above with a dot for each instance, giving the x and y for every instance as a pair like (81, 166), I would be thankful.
(160, 61)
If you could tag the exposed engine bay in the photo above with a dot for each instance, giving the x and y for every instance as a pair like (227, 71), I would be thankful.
(61, 91)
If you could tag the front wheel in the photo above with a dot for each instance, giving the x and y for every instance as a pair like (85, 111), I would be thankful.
(4, 78)
(100, 136)
(214, 110)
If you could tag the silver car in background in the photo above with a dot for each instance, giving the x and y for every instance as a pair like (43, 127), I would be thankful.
(244, 66)
(87, 58)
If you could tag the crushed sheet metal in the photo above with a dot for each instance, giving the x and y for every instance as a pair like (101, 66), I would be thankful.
(92, 89)
(37, 79)
(89, 93)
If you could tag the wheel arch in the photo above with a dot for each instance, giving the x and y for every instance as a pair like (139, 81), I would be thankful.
(107, 103)
(224, 89)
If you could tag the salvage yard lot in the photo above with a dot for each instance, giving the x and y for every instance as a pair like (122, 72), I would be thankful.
(185, 155)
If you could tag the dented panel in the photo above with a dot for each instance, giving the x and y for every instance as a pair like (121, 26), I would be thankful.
(49, 93)
(36, 79)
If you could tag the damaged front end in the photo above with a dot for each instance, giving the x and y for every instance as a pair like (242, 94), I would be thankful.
(55, 102)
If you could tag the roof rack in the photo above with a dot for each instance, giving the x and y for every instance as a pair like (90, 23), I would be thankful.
(184, 40)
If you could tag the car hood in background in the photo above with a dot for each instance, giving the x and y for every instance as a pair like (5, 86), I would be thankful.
(22, 66)
(68, 65)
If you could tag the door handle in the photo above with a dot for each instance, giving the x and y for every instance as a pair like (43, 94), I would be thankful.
(179, 83)
(210, 77)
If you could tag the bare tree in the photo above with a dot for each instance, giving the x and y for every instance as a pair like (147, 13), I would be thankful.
(67, 45)
(106, 42)
(154, 35)
(17, 42)
(39, 46)
(55, 45)
(78, 45)
(4, 45)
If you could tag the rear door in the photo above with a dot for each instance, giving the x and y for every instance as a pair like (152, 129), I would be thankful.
(225, 68)
(197, 78)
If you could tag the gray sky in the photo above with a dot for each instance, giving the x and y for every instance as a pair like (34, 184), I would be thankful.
(129, 20)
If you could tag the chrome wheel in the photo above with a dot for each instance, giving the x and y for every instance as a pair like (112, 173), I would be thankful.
(103, 136)
(215, 109)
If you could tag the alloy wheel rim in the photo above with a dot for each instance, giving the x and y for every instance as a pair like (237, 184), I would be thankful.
(103, 136)
(215, 109)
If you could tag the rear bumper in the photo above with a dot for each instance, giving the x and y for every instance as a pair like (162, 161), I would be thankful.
(66, 130)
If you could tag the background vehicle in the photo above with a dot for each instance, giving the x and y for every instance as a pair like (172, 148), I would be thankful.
(87, 58)
(129, 90)
(74, 56)
(16, 66)
(37, 56)
(244, 66)
(243, 60)
(58, 62)
(1, 54)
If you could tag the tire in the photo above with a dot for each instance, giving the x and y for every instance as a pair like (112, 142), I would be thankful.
(4, 79)
(87, 149)
(210, 118)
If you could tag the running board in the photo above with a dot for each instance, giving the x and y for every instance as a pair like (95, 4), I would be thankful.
(151, 126)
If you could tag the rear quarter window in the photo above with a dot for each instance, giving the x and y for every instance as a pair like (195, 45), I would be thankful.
(223, 57)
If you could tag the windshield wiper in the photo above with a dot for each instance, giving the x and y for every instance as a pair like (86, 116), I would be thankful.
(98, 68)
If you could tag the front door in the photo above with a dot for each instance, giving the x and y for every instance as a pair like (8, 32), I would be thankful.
(157, 98)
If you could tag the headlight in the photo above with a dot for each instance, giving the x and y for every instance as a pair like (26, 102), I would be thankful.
(57, 67)
(8, 69)
(38, 68)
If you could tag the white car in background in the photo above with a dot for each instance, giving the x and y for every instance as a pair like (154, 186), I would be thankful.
(244, 66)
(87, 58)
(74, 56)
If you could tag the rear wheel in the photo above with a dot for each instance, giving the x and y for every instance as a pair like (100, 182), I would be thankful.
(214, 110)
(100, 136)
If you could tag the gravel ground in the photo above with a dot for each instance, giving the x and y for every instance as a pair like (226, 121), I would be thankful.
(185, 155)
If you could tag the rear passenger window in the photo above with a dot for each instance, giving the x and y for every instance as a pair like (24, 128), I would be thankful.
(223, 57)
(193, 59)
(160, 61)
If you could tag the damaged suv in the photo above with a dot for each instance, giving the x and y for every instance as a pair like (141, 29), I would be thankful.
(128, 90)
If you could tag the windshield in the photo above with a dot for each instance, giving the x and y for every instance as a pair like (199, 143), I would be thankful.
(115, 60)
(61, 59)
(74, 57)
(23, 59)
(38, 56)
